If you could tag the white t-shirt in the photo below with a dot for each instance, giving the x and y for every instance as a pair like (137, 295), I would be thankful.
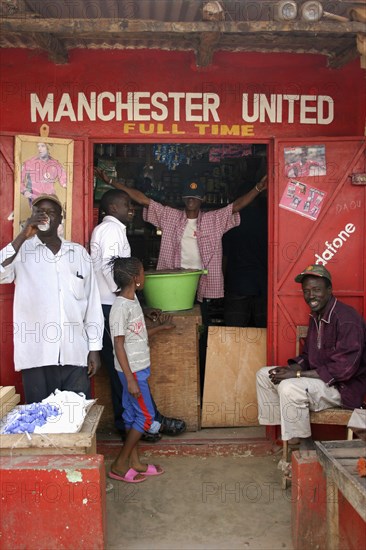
(127, 319)
(191, 258)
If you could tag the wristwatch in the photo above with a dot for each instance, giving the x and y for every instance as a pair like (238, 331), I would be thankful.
(298, 374)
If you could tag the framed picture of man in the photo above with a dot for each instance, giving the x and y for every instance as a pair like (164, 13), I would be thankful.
(42, 165)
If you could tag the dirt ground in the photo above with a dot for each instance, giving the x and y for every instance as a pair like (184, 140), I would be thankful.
(216, 502)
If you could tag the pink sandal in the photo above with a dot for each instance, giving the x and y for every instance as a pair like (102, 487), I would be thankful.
(129, 477)
(152, 471)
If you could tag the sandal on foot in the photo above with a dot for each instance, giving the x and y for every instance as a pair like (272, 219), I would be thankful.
(152, 470)
(129, 477)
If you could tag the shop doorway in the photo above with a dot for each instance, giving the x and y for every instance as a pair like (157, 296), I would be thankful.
(227, 171)
(196, 361)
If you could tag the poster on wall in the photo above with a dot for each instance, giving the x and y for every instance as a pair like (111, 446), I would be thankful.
(305, 161)
(302, 199)
(42, 165)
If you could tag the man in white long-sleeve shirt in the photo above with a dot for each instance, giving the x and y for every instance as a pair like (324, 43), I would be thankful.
(58, 319)
(107, 240)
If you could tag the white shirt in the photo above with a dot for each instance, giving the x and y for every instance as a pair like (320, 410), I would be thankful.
(58, 317)
(191, 258)
(108, 239)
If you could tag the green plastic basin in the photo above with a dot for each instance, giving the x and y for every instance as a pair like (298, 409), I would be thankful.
(171, 290)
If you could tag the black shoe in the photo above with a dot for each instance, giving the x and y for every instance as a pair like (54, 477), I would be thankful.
(172, 426)
(151, 438)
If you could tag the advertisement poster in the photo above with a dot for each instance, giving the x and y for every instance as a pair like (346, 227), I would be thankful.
(305, 161)
(302, 199)
(42, 165)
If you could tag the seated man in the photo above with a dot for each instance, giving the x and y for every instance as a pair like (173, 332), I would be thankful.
(331, 370)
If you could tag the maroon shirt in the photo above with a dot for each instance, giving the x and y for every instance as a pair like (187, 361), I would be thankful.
(336, 348)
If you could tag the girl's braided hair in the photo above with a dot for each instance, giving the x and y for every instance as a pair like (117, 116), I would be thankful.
(124, 270)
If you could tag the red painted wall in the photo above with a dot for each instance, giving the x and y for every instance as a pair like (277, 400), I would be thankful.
(229, 77)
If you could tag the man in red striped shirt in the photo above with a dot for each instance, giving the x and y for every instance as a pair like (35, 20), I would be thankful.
(191, 239)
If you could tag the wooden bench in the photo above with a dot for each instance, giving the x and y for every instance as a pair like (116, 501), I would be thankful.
(333, 416)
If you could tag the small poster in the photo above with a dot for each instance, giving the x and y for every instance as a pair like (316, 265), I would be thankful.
(42, 165)
(303, 199)
(305, 161)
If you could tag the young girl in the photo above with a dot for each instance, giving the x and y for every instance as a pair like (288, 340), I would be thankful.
(132, 362)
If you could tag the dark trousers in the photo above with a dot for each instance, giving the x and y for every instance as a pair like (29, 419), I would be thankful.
(115, 383)
(245, 311)
(40, 382)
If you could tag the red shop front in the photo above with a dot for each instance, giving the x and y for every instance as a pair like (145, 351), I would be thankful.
(288, 105)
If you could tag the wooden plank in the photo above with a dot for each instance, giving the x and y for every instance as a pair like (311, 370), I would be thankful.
(234, 354)
(6, 392)
(348, 462)
(9, 405)
(332, 515)
(37, 451)
(71, 443)
(103, 26)
(341, 454)
(331, 416)
(341, 444)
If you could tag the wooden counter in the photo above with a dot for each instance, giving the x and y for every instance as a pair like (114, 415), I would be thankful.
(175, 381)
(339, 461)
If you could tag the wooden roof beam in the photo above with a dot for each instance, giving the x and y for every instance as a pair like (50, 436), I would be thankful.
(211, 11)
(361, 48)
(204, 54)
(54, 47)
(340, 59)
(94, 27)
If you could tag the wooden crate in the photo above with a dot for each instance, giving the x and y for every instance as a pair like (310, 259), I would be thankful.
(174, 380)
(82, 442)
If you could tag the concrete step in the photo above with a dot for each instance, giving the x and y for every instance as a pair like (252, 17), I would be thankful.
(249, 441)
